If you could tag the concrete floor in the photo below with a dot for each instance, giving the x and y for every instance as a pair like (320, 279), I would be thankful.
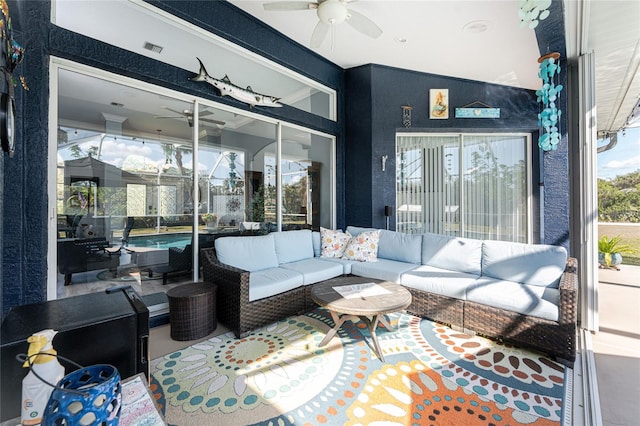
(616, 346)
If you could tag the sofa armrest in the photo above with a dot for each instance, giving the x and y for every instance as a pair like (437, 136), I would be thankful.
(231, 281)
(569, 293)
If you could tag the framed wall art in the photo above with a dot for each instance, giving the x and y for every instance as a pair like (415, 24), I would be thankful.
(438, 103)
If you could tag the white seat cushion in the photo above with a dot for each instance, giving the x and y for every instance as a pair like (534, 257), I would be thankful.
(535, 264)
(345, 263)
(314, 270)
(439, 281)
(269, 282)
(383, 269)
(533, 300)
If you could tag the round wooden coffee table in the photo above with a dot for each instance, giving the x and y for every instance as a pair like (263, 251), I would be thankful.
(353, 298)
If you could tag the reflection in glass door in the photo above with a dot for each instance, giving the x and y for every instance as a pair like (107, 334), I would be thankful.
(468, 185)
(124, 196)
(306, 180)
(126, 174)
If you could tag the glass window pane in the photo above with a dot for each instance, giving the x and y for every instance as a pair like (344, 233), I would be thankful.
(306, 180)
(428, 183)
(119, 23)
(465, 185)
(495, 193)
(236, 172)
(125, 174)
(124, 177)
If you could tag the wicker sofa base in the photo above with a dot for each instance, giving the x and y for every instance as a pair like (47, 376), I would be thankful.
(446, 310)
(233, 307)
(550, 337)
(555, 338)
(261, 312)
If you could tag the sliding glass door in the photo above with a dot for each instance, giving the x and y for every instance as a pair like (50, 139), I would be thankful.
(144, 175)
(470, 185)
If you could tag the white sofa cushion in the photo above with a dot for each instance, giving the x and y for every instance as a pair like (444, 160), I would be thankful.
(345, 263)
(272, 281)
(314, 270)
(293, 245)
(535, 264)
(400, 246)
(317, 243)
(452, 253)
(383, 269)
(248, 253)
(395, 245)
(533, 300)
(356, 230)
(439, 281)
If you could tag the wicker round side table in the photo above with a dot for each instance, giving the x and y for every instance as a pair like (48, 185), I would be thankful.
(192, 310)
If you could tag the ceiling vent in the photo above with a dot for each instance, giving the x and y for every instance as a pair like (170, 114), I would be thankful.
(153, 47)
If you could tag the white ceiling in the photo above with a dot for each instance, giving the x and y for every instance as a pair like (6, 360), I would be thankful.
(436, 42)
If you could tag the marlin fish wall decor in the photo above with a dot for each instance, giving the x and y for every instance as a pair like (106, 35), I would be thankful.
(227, 88)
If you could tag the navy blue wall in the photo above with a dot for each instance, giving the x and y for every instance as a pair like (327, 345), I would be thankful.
(555, 165)
(369, 114)
(24, 204)
(374, 98)
(24, 201)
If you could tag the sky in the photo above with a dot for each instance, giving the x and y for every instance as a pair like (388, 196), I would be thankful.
(623, 158)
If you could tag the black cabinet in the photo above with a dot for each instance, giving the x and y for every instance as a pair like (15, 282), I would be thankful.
(98, 328)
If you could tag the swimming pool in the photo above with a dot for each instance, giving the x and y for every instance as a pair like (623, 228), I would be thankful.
(160, 241)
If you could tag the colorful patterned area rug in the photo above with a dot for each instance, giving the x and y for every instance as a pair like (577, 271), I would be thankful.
(431, 375)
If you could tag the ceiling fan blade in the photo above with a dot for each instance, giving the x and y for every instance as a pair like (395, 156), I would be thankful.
(290, 5)
(319, 34)
(175, 111)
(209, 120)
(363, 24)
(167, 116)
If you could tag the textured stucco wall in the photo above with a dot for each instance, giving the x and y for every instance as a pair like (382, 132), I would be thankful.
(24, 204)
(369, 114)
(375, 115)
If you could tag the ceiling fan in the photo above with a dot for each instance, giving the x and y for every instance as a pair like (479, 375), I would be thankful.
(330, 13)
(188, 114)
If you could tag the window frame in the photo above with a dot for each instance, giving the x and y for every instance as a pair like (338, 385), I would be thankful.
(57, 64)
(461, 135)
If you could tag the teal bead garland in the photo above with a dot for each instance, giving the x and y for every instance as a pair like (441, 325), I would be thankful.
(548, 94)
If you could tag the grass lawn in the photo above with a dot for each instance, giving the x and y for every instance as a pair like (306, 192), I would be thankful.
(630, 235)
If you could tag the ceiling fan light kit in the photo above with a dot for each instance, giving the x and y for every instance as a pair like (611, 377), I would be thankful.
(330, 13)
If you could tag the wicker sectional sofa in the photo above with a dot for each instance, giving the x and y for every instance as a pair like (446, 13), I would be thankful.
(520, 293)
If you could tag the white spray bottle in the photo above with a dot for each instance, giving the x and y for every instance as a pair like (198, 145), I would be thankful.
(36, 393)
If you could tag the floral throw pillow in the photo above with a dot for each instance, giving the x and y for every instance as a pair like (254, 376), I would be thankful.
(363, 247)
(333, 242)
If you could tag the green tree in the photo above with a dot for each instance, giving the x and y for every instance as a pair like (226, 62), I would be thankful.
(619, 198)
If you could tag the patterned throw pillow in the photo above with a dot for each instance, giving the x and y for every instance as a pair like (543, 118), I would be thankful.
(333, 242)
(363, 247)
